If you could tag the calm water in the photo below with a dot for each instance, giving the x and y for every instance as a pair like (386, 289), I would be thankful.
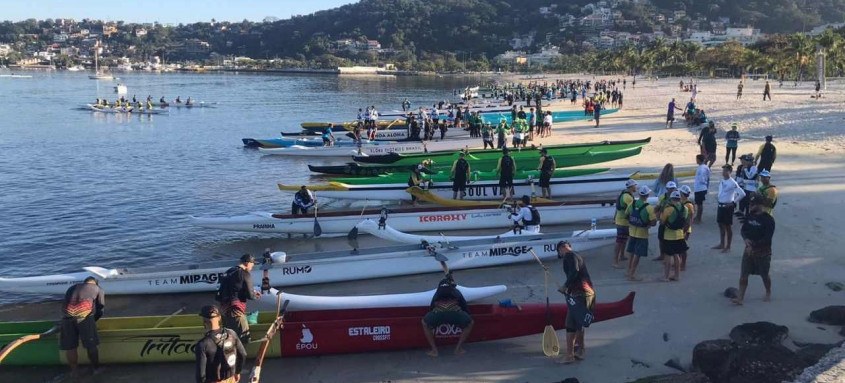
(78, 188)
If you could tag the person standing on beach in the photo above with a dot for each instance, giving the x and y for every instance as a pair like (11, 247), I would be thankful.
(220, 355)
(597, 113)
(625, 199)
(532, 124)
(766, 155)
(82, 307)
(670, 114)
(580, 299)
(506, 168)
(673, 218)
(667, 174)
(690, 206)
(460, 176)
(640, 217)
(700, 185)
(757, 231)
(547, 124)
(547, 168)
(768, 191)
(707, 142)
(739, 90)
(487, 136)
(746, 177)
(767, 91)
(235, 290)
(501, 132)
(731, 144)
(729, 193)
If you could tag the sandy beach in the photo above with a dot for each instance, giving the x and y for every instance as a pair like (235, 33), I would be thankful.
(670, 318)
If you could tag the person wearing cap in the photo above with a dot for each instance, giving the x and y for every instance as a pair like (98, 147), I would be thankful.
(448, 307)
(220, 355)
(768, 191)
(707, 142)
(501, 131)
(547, 170)
(506, 168)
(625, 199)
(731, 144)
(580, 297)
(460, 175)
(640, 218)
(302, 201)
(686, 191)
(766, 155)
(701, 186)
(746, 177)
(662, 201)
(757, 231)
(673, 219)
(82, 307)
(235, 290)
(729, 193)
(527, 216)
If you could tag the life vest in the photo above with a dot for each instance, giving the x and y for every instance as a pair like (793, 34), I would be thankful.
(762, 190)
(227, 346)
(507, 166)
(548, 165)
(461, 166)
(620, 201)
(678, 219)
(636, 217)
(535, 217)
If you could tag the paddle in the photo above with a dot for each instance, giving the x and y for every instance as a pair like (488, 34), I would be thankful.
(352, 236)
(5, 351)
(278, 323)
(551, 346)
(167, 318)
(318, 231)
(433, 252)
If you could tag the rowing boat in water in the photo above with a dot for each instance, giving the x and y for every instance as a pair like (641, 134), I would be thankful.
(486, 166)
(480, 190)
(110, 110)
(306, 269)
(306, 333)
(377, 148)
(531, 155)
(267, 302)
(488, 215)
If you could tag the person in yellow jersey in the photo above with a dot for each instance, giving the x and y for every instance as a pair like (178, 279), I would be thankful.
(768, 191)
(625, 199)
(686, 191)
(674, 218)
(662, 201)
(640, 218)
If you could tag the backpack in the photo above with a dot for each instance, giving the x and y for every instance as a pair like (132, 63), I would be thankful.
(227, 346)
(535, 217)
(620, 206)
(225, 288)
(636, 217)
(678, 219)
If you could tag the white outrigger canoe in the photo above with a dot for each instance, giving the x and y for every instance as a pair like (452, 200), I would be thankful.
(478, 190)
(297, 302)
(388, 233)
(409, 219)
(372, 149)
(110, 110)
(314, 268)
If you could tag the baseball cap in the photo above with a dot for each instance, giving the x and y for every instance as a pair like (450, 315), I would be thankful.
(247, 258)
(630, 183)
(644, 190)
(209, 312)
(685, 190)
(765, 173)
(671, 185)
(675, 195)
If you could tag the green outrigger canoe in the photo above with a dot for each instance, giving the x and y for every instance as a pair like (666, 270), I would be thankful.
(443, 176)
(532, 153)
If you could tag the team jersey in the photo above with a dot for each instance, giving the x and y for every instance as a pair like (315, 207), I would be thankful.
(670, 234)
(640, 232)
(622, 215)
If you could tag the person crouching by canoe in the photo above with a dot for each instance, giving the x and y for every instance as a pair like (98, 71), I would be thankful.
(302, 201)
(460, 176)
(235, 290)
(220, 354)
(448, 307)
(757, 231)
(506, 168)
(83, 305)
(580, 297)
(547, 169)
(527, 218)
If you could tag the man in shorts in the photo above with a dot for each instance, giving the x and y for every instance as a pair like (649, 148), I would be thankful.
(640, 218)
(729, 194)
(625, 199)
(448, 308)
(700, 185)
(547, 169)
(506, 170)
(673, 217)
(460, 176)
(82, 307)
(757, 231)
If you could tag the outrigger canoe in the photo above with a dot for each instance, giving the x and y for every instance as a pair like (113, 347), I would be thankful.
(589, 185)
(531, 154)
(297, 302)
(487, 215)
(375, 148)
(475, 176)
(286, 142)
(426, 196)
(588, 157)
(559, 116)
(314, 268)
(350, 125)
(305, 333)
(101, 109)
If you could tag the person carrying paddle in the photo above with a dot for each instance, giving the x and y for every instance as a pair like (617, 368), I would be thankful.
(757, 231)
(547, 170)
(302, 201)
(640, 217)
(625, 199)
(81, 309)
(460, 176)
(448, 307)
(506, 168)
(580, 298)
(235, 290)
(220, 354)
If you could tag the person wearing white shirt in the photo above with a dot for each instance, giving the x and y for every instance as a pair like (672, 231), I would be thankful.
(527, 217)
(746, 177)
(729, 194)
(700, 186)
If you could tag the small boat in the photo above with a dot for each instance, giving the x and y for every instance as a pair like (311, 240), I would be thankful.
(75, 68)
(314, 268)
(111, 110)
(97, 74)
(350, 125)
(463, 216)
(120, 89)
(380, 148)
(286, 142)
(540, 203)
(475, 176)
(151, 339)
(267, 302)
(480, 190)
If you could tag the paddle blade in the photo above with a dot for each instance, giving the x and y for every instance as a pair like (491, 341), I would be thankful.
(318, 231)
(550, 344)
(440, 257)
(352, 238)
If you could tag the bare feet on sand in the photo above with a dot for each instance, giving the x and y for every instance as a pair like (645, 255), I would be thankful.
(726, 250)
(737, 301)
(718, 247)
(432, 353)
(460, 351)
(567, 359)
(767, 298)
(618, 266)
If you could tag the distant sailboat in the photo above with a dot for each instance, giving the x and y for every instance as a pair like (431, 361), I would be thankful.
(97, 74)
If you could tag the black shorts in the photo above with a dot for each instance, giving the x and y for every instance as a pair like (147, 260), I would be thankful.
(545, 180)
(459, 185)
(674, 247)
(670, 117)
(700, 196)
(73, 332)
(755, 264)
(725, 214)
(435, 319)
(505, 183)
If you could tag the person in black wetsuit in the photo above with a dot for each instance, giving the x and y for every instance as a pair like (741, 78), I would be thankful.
(506, 170)
(757, 231)
(547, 170)
(460, 176)
(220, 355)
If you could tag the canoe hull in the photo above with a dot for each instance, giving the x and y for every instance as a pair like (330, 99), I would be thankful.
(376, 148)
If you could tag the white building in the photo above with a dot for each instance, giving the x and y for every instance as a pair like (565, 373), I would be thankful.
(5, 49)
(546, 55)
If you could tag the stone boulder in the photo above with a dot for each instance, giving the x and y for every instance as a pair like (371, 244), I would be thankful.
(811, 353)
(832, 315)
(759, 334)
(765, 363)
(714, 358)
(689, 377)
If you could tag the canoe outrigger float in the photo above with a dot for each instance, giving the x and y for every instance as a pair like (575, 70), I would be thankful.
(314, 268)
(305, 333)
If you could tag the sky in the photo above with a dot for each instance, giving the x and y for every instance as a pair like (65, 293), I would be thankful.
(173, 11)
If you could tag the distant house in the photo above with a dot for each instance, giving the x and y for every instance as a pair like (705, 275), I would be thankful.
(373, 45)
(5, 49)
(511, 57)
(109, 29)
(546, 55)
(545, 11)
(680, 14)
(84, 32)
(60, 37)
(140, 32)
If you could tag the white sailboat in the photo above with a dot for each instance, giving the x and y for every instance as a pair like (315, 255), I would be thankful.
(97, 74)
